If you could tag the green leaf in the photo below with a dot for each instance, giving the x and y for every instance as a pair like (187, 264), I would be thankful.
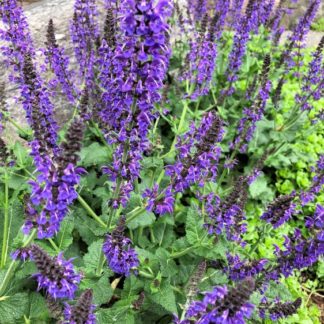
(102, 291)
(145, 219)
(22, 156)
(164, 297)
(13, 307)
(115, 315)
(38, 308)
(195, 232)
(132, 286)
(168, 266)
(259, 189)
(16, 219)
(64, 238)
(94, 154)
(86, 226)
(91, 259)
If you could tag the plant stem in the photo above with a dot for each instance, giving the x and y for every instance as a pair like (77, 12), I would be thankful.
(183, 252)
(55, 247)
(5, 238)
(13, 265)
(91, 212)
(145, 274)
(11, 121)
(180, 126)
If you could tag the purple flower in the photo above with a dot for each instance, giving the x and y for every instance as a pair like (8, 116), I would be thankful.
(82, 311)
(317, 183)
(222, 305)
(56, 275)
(228, 214)
(280, 210)
(292, 55)
(160, 206)
(84, 33)
(203, 52)
(59, 63)
(239, 270)
(313, 84)
(242, 35)
(121, 257)
(54, 189)
(132, 74)
(299, 253)
(317, 220)
(252, 115)
(22, 254)
(280, 310)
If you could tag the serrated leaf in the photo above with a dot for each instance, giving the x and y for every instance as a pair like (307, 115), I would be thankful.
(91, 258)
(132, 286)
(102, 291)
(259, 189)
(64, 237)
(167, 265)
(115, 315)
(165, 297)
(13, 307)
(38, 308)
(146, 219)
(94, 154)
(195, 232)
(16, 219)
(87, 227)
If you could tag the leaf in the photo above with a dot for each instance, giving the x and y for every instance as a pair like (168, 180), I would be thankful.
(22, 156)
(86, 226)
(168, 266)
(132, 286)
(91, 259)
(115, 315)
(146, 219)
(94, 154)
(16, 220)
(195, 232)
(259, 189)
(164, 297)
(102, 291)
(38, 307)
(64, 238)
(13, 307)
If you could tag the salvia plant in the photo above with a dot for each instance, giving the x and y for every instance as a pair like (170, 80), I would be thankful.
(154, 202)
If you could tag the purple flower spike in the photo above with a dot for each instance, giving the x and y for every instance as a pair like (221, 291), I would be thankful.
(239, 270)
(222, 305)
(121, 257)
(82, 312)
(22, 254)
(59, 64)
(317, 183)
(56, 275)
(280, 210)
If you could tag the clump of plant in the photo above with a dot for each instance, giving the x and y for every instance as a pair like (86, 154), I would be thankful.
(141, 207)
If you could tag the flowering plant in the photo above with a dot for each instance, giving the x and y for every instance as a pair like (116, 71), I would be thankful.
(155, 201)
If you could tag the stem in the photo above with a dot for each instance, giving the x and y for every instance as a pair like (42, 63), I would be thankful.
(180, 126)
(55, 247)
(6, 228)
(119, 183)
(13, 265)
(145, 274)
(91, 212)
(183, 252)
(139, 212)
(11, 121)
